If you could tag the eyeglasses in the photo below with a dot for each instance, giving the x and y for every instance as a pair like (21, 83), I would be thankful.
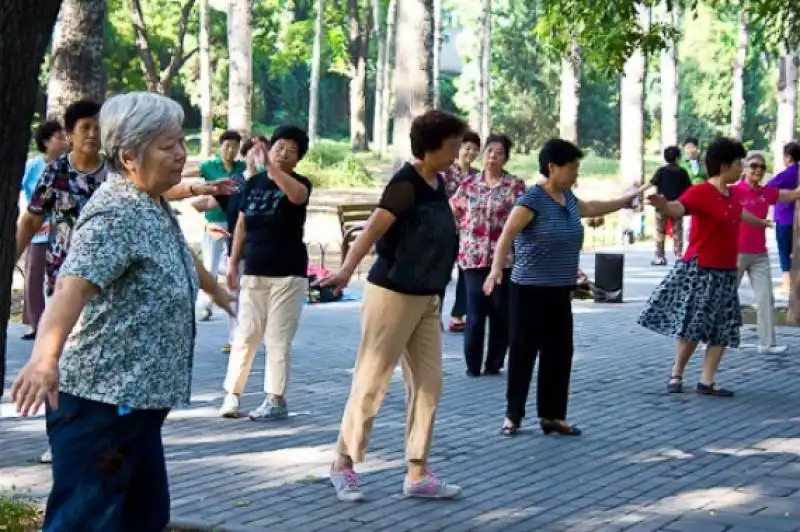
(755, 166)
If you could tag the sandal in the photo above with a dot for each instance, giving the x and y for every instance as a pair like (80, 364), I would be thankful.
(675, 384)
(456, 326)
(510, 429)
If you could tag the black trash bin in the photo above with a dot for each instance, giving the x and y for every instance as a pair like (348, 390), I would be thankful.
(609, 271)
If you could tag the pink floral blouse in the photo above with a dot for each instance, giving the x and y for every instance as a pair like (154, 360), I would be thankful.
(453, 177)
(481, 212)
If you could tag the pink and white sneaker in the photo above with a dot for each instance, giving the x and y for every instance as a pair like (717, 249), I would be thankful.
(430, 487)
(345, 482)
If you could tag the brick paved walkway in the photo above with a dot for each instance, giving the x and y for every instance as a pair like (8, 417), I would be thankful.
(647, 461)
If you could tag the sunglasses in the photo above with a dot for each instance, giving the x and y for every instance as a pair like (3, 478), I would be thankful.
(756, 166)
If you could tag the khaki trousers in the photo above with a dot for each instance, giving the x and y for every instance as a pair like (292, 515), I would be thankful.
(395, 327)
(758, 270)
(269, 308)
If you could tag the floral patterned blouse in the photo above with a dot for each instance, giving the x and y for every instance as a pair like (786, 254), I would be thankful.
(59, 196)
(134, 342)
(481, 212)
(453, 177)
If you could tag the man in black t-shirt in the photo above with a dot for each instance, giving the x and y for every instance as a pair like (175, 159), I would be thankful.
(268, 239)
(670, 181)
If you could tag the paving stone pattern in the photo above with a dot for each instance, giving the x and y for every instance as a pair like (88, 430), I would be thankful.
(647, 460)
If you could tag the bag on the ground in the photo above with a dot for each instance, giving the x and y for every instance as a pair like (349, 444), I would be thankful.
(320, 294)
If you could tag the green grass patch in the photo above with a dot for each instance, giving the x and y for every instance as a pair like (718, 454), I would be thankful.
(19, 515)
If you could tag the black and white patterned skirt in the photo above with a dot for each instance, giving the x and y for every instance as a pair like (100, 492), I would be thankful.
(694, 303)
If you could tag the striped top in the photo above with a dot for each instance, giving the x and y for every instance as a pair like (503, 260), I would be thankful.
(547, 250)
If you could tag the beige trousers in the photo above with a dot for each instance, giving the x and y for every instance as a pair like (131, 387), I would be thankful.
(269, 308)
(758, 270)
(395, 327)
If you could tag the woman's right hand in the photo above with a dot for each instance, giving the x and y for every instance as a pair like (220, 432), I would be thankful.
(494, 278)
(37, 381)
(232, 277)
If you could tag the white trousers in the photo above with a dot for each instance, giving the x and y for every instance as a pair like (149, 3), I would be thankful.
(757, 268)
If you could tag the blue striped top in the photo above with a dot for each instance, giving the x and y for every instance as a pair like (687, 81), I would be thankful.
(547, 250)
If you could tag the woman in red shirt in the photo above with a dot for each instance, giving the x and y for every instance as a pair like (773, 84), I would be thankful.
(698, 300)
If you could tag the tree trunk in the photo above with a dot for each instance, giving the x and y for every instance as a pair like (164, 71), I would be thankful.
(359, 46)
(787, 104)
(240, 75)
(76, 65)
(632, 113)
(412, 72)
(380, 66)
(388, 71)
(484, 114)
(22, 49)
(206, 116)
(316, 63)
(437, 53)
(737, 95)
(570, 94)
(669, 86)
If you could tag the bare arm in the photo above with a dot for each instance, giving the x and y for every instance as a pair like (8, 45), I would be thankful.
(750, 219)
(204, 203)
(192, 172)
(61, 315)
(519, 218)
(589, 209)
(380, 222)
(785, 195)
(295, 191)
(27, 226)
(210, 286)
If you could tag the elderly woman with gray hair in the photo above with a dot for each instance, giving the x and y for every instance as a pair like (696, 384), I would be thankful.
(115, 347)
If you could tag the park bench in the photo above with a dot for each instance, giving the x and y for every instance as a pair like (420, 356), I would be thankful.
(352, 219)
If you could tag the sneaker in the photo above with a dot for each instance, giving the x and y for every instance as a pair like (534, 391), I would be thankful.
(345, 482)
(270, 410)
(47, 457)
(230, 406)
(658, 261)
(226, 348)
(430, 487)
(772, 349)
(205, 315)
(713, 389)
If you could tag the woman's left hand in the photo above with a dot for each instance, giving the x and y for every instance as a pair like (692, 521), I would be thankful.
(37, 381)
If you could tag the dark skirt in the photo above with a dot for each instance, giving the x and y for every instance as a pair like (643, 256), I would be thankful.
(694, 303)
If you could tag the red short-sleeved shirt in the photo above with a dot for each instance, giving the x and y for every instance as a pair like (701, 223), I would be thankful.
(714, 233)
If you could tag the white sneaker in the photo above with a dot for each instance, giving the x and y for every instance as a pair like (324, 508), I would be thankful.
(345, 482)
(230, 406)
(47, 457)
(772, 349)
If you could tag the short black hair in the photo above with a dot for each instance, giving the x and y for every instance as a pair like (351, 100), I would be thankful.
(230, 135)
(792, 150)
(723, 151)
(295, 133)
(672, 154)
(45, 132)
(474, 138)
(502, 140)
(79, 110)
(247, 145)
(430, 129)
(691, 140)
(559, 152)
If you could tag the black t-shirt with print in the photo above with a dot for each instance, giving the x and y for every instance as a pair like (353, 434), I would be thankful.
(273, 245)
(417, 253)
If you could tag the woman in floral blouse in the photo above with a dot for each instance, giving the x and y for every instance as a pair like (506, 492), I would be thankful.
(115, 346)
(460, 170)
(481, 205)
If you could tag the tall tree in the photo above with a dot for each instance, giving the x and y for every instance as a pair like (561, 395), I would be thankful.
(22, 48)
(380, 66)
(412, 71)
(206, 113)
(388, 72)
(570, 93)
(158, 75)
(358, 32)
(438, 39)
(787, 103)
(76, 65)
(316, 64)
(240, 74)
(632, 111)
(739, 62)
(484, 114)
(670, 91)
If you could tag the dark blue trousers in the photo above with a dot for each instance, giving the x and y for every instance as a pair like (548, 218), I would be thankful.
(783, 237)
(481, 308)
(109, 472)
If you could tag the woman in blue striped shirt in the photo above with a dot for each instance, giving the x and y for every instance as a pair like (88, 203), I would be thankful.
(545, 228)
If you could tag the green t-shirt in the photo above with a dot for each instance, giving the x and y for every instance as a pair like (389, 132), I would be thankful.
(696, 173)
(213, 170)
